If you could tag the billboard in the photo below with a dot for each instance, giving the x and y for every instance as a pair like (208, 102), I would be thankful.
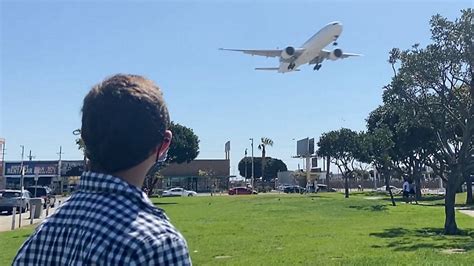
(305, 147)
(72, 168)
(44, 168)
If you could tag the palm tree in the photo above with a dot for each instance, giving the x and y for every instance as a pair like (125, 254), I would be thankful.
(265, 142)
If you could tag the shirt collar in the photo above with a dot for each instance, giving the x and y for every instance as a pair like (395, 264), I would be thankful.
(93, 182)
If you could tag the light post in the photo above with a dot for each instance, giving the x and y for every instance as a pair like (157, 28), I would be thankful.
(245, 160)
(22, 176)
(251, 139)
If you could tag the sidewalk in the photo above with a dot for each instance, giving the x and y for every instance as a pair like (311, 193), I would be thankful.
(6, 220)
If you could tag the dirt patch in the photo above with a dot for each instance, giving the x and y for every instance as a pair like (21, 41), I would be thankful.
(222, 257)
(454, 251)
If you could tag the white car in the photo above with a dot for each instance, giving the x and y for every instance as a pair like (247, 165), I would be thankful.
(178, 192)
(394, 190)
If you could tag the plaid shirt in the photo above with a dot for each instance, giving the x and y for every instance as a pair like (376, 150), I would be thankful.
(106, 222)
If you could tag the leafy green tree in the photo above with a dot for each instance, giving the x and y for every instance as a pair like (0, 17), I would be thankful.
(412, 136)
(342, 146)
(184, 146)
(377, 149)
(262, 146)
(272, 167)
(436, 77)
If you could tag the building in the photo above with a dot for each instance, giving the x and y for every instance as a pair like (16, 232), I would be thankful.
(43, 173)
(198, 175)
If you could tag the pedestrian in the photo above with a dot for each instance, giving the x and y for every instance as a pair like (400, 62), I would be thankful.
(110, 220)
(406, 190)
(412, 192)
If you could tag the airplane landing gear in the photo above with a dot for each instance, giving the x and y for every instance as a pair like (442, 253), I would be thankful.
(334, 43)
(291, 66)
(317, 67)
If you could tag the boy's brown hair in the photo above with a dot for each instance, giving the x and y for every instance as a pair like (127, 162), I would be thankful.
(123, 119)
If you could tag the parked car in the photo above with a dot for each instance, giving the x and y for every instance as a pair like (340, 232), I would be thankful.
(178, 192)
(242, 191)
(293, 189)
(14, 198)
(324, 188)
(43, 192)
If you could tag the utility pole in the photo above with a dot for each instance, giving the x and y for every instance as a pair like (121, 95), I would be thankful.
(251, 139)
(59, 169)
(22, 176)
(2, 142)
(30, 157)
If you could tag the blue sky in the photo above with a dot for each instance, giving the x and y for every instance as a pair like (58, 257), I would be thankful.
(52, 53)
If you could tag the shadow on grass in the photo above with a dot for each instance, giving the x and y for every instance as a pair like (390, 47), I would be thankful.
(374, 208)
(401, 239)
(22, 236)
(164, 203)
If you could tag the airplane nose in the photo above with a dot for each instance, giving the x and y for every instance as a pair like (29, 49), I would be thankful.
(337, 26)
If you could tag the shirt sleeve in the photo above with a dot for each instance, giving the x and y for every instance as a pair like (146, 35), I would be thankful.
(171, 250)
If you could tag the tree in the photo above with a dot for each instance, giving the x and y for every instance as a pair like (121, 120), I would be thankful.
(264, 142)
(184, 145)
(377, 146)
(436, 77)
(272, 167)
(412, 136)
(342, 146)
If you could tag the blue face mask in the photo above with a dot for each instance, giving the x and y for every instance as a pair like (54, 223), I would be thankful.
(160, 162)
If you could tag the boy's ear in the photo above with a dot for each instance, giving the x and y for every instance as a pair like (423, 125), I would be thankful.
(165, 145)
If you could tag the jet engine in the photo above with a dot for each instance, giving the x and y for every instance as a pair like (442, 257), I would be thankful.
(335, 54)
(288, 52)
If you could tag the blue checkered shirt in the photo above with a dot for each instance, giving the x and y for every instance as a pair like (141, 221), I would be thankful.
(106, 222)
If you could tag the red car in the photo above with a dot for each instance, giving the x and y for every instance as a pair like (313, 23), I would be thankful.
(241, 191)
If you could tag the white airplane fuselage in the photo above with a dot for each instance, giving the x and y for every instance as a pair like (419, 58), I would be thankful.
(312, 48)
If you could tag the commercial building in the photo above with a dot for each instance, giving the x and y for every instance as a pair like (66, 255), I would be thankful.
(43, 173)
(198, 175)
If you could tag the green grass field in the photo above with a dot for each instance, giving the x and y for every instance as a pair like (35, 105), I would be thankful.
(323, 229)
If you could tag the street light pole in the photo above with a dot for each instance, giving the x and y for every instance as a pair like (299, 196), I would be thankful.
(22, 176)
(251, 139)
(245, 160)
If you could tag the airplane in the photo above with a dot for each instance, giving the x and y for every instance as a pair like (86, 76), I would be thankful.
(311, 52)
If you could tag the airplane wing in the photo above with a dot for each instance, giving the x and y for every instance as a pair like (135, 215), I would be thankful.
(267, 53)
(325, 54)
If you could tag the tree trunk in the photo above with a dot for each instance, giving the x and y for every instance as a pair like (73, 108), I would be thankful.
(450, 227)
(467, 178)
(417, 179)
(328, 163)
(387, 187)
(346, 186)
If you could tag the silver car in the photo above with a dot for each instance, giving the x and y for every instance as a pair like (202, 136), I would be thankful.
(14, 198)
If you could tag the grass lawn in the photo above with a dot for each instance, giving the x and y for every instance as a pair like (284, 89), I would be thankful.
(323, 229)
